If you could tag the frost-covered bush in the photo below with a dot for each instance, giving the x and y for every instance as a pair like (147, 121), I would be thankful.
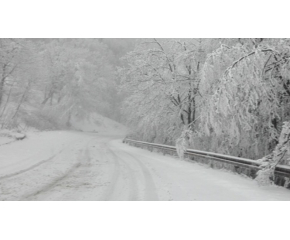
(182, 142)
(279, 156)
(16, 134)
(180, 147)
(265, 176)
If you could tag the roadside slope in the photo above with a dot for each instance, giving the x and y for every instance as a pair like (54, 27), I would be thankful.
(97, 123)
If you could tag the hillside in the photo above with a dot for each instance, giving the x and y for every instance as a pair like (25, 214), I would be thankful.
(97, 123)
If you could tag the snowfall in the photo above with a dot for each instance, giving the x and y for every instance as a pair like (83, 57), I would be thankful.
(93, 164)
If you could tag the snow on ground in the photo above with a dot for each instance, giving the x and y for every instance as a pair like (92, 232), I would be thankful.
(39, 164)
(187, 180)
(5, 140)
(7, 136)
(74, 165)
(36, 148)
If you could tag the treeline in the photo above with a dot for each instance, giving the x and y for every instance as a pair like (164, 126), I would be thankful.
(228, 95)
(44, 82)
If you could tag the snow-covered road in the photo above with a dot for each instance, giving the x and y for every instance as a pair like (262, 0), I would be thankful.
(92, 166)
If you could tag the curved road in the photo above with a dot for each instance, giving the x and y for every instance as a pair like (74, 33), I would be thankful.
(100, 167)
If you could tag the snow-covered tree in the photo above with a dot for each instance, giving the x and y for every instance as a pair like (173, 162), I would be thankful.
(162, 79)
(20, 81)
(50, 80)
(280, 155)
(9, 51)
(244, 95)
(78, 78)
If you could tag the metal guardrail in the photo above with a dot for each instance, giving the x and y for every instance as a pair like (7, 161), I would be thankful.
(281, 170)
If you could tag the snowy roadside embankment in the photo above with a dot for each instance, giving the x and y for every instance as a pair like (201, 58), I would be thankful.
(7, 136)
(98, 124)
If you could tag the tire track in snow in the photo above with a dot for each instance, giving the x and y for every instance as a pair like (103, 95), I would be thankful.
(12, 141)
(115, 176)
(151, 190)
(133, 188)
(51, 184)
(37, 164)
(31, 167)
(55, 181)
(150, 187)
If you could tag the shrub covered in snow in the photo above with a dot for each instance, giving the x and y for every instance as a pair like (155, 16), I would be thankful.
(12, 134)
(182, 142)
(279, 156)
